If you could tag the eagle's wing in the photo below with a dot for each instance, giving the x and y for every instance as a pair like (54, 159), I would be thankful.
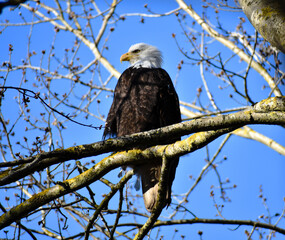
(135, 106)
(121, 93)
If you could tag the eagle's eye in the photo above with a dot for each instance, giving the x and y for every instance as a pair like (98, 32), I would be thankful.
(136, 51)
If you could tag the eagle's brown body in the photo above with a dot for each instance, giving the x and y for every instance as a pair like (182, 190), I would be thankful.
(145, 99)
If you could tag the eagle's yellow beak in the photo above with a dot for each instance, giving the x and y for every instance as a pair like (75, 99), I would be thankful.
(126, 57)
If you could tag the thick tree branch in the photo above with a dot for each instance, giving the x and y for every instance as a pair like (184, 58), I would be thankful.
(245, 132)
(137, 156)
(270, 111)
(125, 158)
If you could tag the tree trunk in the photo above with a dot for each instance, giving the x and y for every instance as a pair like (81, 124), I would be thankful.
(268, 18)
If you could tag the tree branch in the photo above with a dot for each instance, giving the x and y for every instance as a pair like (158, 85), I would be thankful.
(259, 114)
(160, 199)
(127, 158)
(211, 221)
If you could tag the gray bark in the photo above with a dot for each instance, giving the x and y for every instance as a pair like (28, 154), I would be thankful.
(268, 18)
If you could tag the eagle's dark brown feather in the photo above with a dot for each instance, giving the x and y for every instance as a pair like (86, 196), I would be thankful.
(145, 99)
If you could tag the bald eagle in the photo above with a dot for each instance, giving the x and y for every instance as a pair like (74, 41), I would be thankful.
(145, 99)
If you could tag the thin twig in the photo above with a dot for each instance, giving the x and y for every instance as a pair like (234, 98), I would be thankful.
(36, 96)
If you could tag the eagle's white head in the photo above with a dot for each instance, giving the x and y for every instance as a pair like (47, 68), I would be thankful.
(143, 55)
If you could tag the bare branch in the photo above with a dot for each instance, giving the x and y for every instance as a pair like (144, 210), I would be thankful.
(255, 65)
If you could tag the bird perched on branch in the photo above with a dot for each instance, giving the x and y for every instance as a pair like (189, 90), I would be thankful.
(145, 99)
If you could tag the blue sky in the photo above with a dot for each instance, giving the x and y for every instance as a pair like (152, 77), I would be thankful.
(249, 165)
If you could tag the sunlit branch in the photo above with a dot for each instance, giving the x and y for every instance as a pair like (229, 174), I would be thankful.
(105, 21)
(147, 15)
(245, 132)
(45, 18)
(249, 133)
(259, 114)
(56, 75)
(93, 174)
